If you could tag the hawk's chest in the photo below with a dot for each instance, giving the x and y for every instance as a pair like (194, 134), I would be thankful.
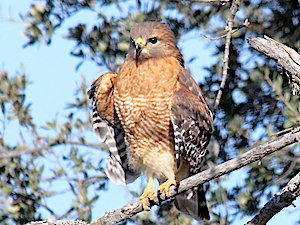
(141, 101)
(142, 97)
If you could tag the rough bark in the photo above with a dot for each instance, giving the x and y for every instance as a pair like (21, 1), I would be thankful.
(131, 209)
(282, 199)
(252, 155)
(58, 222)
(287, 58)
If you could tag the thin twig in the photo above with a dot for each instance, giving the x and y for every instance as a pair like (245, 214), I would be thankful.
(291, 168)
(234, 8)
(282, 132)
(245, 24)
(12, 154)
(283, 100)
(61, 222)
(64, 171)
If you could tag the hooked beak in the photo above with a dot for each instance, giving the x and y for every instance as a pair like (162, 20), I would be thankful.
(138, 49)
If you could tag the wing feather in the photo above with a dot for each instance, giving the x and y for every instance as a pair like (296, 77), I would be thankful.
(192, 125)
(107, 128)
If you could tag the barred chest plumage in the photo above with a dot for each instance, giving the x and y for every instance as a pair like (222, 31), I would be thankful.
(142, 102)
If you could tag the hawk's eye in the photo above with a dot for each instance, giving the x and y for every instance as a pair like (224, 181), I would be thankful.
(153, 40)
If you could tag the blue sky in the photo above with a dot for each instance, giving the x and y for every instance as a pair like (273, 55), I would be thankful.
(54, 79)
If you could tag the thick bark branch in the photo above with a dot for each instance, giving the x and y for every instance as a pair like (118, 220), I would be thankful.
(252, 155)
(282, 199)
(58, 222)
(289, 60)
(286, 57)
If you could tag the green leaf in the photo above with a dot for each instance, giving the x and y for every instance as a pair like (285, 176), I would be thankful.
(7, 190)
(278, 84)
(123, 46)
(13, 209)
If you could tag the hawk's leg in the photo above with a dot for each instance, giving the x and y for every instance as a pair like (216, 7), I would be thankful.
(148, 192)
(166, 185)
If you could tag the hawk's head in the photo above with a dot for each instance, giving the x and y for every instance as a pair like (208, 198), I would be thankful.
(152, 40)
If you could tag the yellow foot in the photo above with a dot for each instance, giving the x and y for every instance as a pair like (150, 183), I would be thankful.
(166, 186)
(148, 192)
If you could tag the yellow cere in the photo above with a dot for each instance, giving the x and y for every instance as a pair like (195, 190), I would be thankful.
(140, 41)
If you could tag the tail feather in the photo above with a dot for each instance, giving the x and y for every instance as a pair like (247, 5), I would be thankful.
(115, 171)
(117, 168)
(105, 133)
(193, 203)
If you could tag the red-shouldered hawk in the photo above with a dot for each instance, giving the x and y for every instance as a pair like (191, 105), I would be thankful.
(154, 118)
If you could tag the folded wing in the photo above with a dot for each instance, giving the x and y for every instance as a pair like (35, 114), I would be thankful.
(192, 124)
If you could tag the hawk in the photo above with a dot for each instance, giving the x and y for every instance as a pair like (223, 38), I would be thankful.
(154, 118)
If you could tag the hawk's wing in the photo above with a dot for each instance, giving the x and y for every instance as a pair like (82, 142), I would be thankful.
(108, 129)
(192, 124)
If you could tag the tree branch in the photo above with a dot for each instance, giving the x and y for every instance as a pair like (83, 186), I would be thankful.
(279, 93)
(286, 57)
(12, 154)
(282, 199)
(233, 9)
(289, 60)
(58, 222)
(252, 155)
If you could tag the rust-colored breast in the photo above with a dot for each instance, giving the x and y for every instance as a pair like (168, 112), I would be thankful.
(142, 98)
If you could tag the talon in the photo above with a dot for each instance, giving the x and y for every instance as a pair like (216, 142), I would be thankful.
(148, 192)
(166, 186)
